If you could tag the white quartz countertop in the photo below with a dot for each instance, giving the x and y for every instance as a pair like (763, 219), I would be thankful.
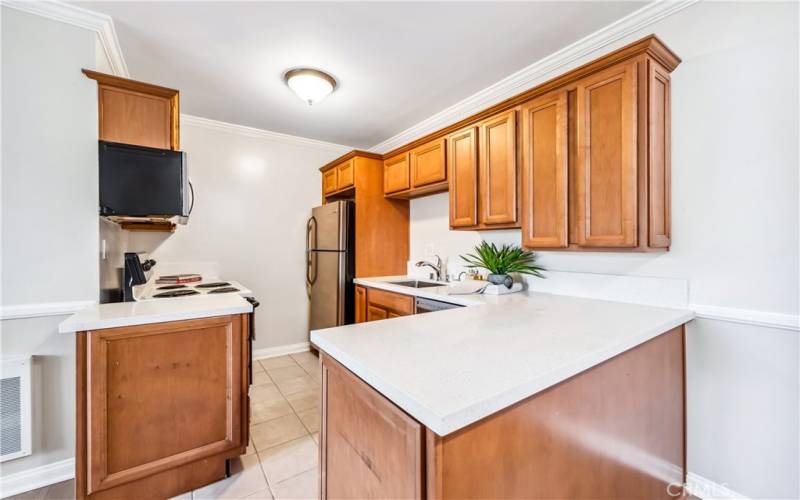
(451, 368)
(117, 314)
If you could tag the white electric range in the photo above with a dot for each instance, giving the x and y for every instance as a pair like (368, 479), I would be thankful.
(140, 268)
(155, 291)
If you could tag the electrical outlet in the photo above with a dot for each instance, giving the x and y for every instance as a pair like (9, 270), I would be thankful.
(103, 249)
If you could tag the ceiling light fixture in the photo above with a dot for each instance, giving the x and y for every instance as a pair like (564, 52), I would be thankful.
(310, 85)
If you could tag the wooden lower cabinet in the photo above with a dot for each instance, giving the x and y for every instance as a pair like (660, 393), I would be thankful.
(381, 304)
(361, 304)
(370, 448)
(614, 431)
(160, 407)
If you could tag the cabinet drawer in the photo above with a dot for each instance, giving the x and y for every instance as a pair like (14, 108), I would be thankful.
(345, 174)
(329, 181)
(427, 164)
(402, 304)
(395, 174)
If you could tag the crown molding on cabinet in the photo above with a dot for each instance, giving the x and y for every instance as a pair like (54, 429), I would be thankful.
(21, 311)
(101, 24)
(257, 132)
(536, 73)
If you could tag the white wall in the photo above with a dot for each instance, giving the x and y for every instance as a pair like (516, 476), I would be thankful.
(734, 235)
(49, 213)
(254, 196)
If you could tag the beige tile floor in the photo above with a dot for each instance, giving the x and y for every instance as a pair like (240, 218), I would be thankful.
(281, 461)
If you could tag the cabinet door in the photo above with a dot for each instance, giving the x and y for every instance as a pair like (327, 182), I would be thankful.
(497, 169)
(544, 172)
(428, 164)
(162, 395)
(361, 304)
(345, 174)
(396, 174)
(375, 313)
(370, 447)
(329, 181)
(132, 117)
(462, 163)
(606, 169)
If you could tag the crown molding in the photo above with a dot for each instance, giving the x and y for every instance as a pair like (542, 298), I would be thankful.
(101, 24)
(537, 72)
(257, 132)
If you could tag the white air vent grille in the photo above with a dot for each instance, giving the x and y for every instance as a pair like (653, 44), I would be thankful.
(11, 416)
(15, 408)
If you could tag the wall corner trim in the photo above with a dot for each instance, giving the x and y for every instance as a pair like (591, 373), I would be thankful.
(767, 319)
(706, 489)
(37, 477)
(63, 12)
(257, 132)
(281, 350)
(20, 311)
(536, 73)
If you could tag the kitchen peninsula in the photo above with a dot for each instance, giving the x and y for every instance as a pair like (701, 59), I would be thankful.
(502, 397)
(162, 394)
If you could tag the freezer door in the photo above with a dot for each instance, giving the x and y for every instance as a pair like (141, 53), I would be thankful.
(327, 228)
(327, 289)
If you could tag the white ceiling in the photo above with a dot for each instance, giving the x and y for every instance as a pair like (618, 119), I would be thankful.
(396, 63)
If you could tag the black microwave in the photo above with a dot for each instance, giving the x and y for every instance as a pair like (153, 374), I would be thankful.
(143, 182)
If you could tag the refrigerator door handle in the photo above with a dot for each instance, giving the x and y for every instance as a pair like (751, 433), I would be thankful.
(311, 226)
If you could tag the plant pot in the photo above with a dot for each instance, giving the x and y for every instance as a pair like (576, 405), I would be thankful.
(501, 279)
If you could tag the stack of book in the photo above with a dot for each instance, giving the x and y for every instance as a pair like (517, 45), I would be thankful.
(177, 279)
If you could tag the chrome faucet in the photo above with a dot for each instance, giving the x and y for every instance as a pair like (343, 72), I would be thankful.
(437, 268)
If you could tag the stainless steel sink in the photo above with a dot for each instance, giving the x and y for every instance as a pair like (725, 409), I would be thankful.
(417, 284)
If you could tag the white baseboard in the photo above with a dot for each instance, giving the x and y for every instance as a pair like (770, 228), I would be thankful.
(281, 350)
(709, 490)
(38, 477)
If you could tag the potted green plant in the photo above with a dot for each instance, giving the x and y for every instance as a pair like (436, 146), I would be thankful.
(502, 261)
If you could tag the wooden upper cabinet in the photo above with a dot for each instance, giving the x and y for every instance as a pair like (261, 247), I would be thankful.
(462, 154)
(396, 174)
(544, 171)
(132, 112)
(427, 163)
(497, 169)
(329, 181)
(345, 174)
(606, 170)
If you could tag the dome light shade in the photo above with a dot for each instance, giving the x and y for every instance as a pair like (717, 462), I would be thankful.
(310, 85)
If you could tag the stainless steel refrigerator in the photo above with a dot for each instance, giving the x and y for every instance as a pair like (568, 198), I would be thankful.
(330, 262)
